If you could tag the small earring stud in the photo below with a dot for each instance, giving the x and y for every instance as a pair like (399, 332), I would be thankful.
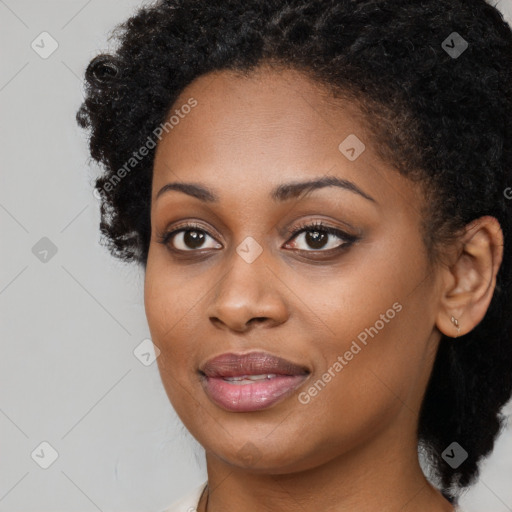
(456, 323)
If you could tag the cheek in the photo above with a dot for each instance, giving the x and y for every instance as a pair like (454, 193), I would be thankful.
(171, 307)
(169, 310)
(373, 341)
(366, 376)
(171, 300)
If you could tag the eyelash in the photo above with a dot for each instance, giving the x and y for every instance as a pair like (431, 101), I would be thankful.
(165, 238)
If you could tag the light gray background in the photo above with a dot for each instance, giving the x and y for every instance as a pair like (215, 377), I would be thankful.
(70, 324)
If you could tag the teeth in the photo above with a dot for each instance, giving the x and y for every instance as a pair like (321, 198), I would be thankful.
(249, 378)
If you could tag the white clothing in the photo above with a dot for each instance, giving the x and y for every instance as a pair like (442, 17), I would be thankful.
(189, 502)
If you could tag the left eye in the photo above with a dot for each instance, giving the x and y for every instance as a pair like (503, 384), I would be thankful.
(317, 235)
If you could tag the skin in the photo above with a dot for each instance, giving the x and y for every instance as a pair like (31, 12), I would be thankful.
(354, 445)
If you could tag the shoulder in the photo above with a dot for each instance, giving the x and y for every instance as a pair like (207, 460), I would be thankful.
(188, 502)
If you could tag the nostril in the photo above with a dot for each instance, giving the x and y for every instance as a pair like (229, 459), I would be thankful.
(258, 319)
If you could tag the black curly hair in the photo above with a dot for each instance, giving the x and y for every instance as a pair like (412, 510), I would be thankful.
(439, 117)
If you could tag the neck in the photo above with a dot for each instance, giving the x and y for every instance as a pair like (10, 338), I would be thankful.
(383, 476)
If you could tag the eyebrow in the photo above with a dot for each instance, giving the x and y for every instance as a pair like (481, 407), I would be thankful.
(282, 192)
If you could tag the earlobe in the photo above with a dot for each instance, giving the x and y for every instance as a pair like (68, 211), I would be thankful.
(470, 281)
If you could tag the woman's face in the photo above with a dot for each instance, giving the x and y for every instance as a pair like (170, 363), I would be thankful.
(354, 309)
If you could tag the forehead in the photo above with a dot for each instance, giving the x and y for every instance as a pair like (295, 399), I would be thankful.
(264, 98)
(249, 133)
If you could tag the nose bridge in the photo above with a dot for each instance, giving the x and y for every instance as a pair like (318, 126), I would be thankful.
(249, 289)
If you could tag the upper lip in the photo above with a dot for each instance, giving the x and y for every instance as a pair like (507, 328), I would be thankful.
(252, 363)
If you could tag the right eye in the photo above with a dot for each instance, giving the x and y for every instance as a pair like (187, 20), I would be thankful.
(186, 238)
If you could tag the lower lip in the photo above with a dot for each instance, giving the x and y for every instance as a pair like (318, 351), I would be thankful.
(255, 396)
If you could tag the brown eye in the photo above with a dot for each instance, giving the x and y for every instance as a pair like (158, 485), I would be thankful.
(316, 237)
(187, 238)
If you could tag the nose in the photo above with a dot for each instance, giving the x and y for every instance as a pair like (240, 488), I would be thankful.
(248, 294)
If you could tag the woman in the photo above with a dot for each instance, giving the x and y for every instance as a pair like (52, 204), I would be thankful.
(317, 192)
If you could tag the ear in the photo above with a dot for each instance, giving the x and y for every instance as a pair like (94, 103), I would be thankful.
(469, 280)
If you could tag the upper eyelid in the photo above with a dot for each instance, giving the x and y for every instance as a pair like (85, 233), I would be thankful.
(308, 226)
(311, 225)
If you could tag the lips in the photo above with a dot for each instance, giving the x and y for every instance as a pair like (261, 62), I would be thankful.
(250, 382)
(253, 363)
